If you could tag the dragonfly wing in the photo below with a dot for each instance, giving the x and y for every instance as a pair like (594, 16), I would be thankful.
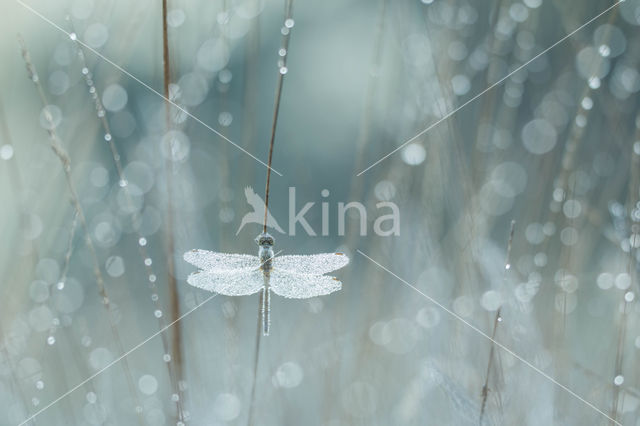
(209, 260)
(301, 286)
(315, 264)
(229, 283)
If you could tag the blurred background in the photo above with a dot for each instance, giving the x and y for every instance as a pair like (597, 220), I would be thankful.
(94, 231)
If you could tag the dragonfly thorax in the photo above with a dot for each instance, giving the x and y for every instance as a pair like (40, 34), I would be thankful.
(265, 253)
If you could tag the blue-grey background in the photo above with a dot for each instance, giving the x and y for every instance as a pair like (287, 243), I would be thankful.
(554, 147)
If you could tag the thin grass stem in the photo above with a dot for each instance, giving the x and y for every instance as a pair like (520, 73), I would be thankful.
(65, 161)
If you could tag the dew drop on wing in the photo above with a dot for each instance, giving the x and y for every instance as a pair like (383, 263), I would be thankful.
(209, 260)
(315, 264)
(302, 286)
(229, 283)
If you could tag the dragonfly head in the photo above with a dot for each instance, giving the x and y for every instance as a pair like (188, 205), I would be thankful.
(265, 240)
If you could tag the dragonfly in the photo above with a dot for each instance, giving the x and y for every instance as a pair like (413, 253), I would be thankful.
(293, 277)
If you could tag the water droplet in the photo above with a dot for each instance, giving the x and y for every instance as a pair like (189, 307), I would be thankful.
(175, 146)
(604, 50)
(176, 17)
(40, 318)
(39, 385)
(539, 136)
(91, 397)
(460, 84)
(623, 281)
(223, 18)
(148, 261)
(99, 176)
(39, 291)
(413, 154)
(288, 375)
(225, 118)
(213, 55)
(96, 35)
(114, 266)
(385, 190)
(148, 384)
(225, 76)
(283, 70)
(463, 306)
(6, 152)
(518, 12)
(618, 380)
(572, 209)
(227, 406)
(99, 358)
(157, 313)
(590, 62)
(142, 241)
(428, 317)
(51, 340)
(491, 300)
(540, 259)
(107, 137)
(114, 98)
(166, 358)
(193, 87)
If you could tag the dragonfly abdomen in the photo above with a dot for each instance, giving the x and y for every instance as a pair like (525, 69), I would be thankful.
(266, 305)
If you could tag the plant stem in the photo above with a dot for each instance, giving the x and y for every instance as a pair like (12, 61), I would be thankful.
(264, 295)
(496, 321)
(135, 216)
(59, 151)
(174, 302)
(282, 70)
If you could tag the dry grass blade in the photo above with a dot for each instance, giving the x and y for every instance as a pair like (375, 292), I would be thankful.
(496, 322)
(66, 166)
(135, 215)
(174, 301)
